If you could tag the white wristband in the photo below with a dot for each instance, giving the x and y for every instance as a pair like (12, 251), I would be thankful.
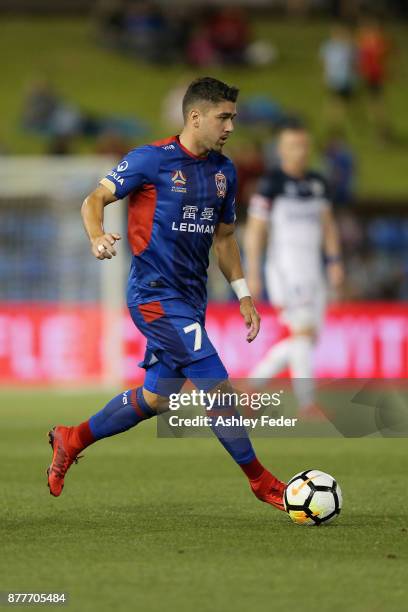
(240, 288)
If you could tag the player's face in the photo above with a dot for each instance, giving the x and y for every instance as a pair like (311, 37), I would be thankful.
(294, 149)
(216, 124)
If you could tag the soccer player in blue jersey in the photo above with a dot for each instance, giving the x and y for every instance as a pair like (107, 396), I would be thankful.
(181, 197)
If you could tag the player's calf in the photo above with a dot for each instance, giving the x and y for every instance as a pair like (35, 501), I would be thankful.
(236, 442)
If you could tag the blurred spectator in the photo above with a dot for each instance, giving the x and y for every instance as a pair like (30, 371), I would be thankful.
(200, 49)
(338, 55)
(339, 165)
(39, 105)
(67, 120)
(231, 35)
(373, 52)
(373, 276)
(386, 234)
(167, 33)
(260, 109)
(221, 36)
(47, 113)
(351, 232)
(374, 256)
(344, 9)
(179, 22)
(154, 33)
(60, 144)
(145, 31)
(109, 17)
(297, 8)
(261, 53)
(112, 143)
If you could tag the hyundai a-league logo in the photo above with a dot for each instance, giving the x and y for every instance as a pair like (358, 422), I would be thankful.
(221, 184)
(178, 178)
(179, 181)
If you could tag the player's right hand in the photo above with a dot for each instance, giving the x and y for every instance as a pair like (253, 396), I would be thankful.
(103, 247)
(251, 317)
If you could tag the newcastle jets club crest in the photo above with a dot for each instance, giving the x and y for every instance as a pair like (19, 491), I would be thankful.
(221, 183)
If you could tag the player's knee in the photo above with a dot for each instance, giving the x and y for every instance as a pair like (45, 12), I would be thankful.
(156, 402)
(309, 333)
(226, 386)
(224, 391)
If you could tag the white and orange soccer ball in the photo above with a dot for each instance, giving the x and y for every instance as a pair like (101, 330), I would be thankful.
(312, 497)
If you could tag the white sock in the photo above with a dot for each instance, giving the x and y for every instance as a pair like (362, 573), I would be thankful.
(275, 360)
(301, 367)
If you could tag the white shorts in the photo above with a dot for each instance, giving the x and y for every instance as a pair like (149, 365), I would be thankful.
(301, 300)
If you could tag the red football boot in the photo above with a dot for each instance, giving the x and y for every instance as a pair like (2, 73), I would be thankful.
(269, 489)
(64, 455)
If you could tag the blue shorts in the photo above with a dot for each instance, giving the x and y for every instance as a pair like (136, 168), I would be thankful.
(178, 346)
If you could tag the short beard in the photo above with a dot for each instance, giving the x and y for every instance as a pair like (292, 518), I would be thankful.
(218, 147)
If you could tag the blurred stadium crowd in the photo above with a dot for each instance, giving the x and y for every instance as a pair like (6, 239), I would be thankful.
(355, 58)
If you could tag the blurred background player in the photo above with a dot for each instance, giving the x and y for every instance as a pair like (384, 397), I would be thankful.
(182, 194)
(374, 51)
(291, 215)
(339, 58)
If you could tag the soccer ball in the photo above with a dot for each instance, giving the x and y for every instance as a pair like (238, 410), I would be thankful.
(312, 498)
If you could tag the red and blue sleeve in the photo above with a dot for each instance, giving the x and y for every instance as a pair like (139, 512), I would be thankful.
(261, 201)
(137, 168)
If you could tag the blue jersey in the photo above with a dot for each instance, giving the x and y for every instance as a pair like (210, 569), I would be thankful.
(176, 200)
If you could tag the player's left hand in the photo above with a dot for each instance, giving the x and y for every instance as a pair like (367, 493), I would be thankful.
(251, 317)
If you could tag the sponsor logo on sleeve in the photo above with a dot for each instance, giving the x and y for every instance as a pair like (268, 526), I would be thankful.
(116, 177)
(123, 166)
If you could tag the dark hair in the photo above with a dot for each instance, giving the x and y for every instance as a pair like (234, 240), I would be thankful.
(207, 89)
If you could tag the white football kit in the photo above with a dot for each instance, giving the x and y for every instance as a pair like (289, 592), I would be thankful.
(294, 267)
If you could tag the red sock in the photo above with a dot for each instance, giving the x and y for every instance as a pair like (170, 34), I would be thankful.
(81, 436)
(253, 469)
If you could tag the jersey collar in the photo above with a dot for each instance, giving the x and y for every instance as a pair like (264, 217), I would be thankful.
(189, 153)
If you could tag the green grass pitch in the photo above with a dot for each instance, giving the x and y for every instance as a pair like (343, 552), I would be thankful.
(170, 524)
